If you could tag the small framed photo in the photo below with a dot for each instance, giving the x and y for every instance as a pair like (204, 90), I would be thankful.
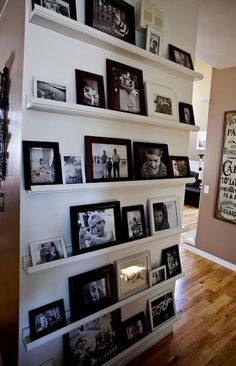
(161, 309)
(95, 342)
(47, 250)
(107, 159)
(201, 140)
(151, 160)
(180, 166)
(46, 319)
(154, 39)
(180, 57)
(132, 274)
(89, 89)
(73, 171)
(171, 259)
(157, 275)
(63, 7)
(49, 90)
(133, 220)
(186, 114)
(42, 164)
(114, 17)
(95, 226)
(161, 101)
(91, 291)
(125, 88)
(134, 329)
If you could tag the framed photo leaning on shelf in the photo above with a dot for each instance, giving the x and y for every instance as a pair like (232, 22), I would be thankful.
(157, 275)
(66, 8)
(154, 39)
(47, 250)
(180, 166)
(133, 222)
(171, 259)
(180, 57)
(133, 329)
(49, 90)
(186, 114)
(161, 101)
(161, 309)
(73, 171)
(89, 89)
(125, 88)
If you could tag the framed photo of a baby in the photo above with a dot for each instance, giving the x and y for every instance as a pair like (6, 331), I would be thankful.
(89, 89)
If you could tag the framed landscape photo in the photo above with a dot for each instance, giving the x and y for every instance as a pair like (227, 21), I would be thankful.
(125, 88)
(73, 171)
(49, 90)
(151, 160)
(161, 309)
(46, 319)
(91, 291)
(42, 164)
(186, 114)
(180, 57)
(132, 274)
(107, 159)
(157, 275)
(114, 17)
(161, 101)
(134, 329)
(180, 166)
(171, 259)
(89, 89)
(154, 39)
(133, 221)
(95, 226)
(47, 250)
(63, 7)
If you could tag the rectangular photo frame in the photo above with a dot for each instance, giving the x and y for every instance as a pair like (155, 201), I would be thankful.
(73, 170)
(181, 57)
(171, 259)
(154, 40)
(95, 226)
(161, 101)
(125, 89)
(134, 329)
(47, 250)
(201, 140)
(180, 167)
(161, 309)
(157, 275)
(66, 8)
(186, 114)
(89, 89)
(50, 89)
(133, 222)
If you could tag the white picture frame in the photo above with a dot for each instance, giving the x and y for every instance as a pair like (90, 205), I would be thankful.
(47, 250)
(161, 101)
(157, 275)
(50, 89)
(73, 169)
(149, 14)
(161, 309)
(154, 40)
(201, 140)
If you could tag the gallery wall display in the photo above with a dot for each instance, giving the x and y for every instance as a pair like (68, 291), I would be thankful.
(161, 100)
(89, 89)
(186, 114)
(180, 57)
(161, 309)
(51, 90)
(133, 222)
(47, 250)
(66, 8)
(180, 167)
(171, 259)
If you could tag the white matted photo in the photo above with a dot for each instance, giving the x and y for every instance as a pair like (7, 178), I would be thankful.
(73, 168)
(154, 39)
(157, 275)
(48, 89)
(161, 101)
(48, 250)
(201, 140)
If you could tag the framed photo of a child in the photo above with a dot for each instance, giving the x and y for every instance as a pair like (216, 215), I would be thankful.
(89, 89)
(154, 40)
(133, 221)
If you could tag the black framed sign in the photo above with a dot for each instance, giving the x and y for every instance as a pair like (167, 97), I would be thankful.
(89, 89)
(66, 8)
(161, 309)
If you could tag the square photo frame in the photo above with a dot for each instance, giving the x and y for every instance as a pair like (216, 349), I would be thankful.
(47, 250)
(157, 275)
(133, 222)
(89, 89)
(186, 114)
(66, 8)
(180, 167)
(154, 40)
(134, 329)
(161, 101)
(161, 309)
(181, 57)
(51, 90)
(171, 259)
(73, 170)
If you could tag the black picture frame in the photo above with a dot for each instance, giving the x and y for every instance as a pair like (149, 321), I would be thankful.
(161, 309)
(134, 329)
(46, 319)
(86, 235)
(186, 114)
(171, 259)
(107, 159)
(180, 56)
(180, 167)
(89, 89)
(91, 291)
(68, 11)
(42, 164)
(125, 88)
(114, 17)
(133, 222)
(145, 155)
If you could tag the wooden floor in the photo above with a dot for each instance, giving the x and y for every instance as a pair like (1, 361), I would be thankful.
(206, 303)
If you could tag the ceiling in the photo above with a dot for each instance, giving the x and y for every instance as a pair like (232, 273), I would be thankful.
(216, 38)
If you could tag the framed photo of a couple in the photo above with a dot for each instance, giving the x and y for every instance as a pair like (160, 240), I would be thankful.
(66, 8)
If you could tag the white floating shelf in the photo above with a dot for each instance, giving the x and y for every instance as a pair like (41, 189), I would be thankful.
(74, 29)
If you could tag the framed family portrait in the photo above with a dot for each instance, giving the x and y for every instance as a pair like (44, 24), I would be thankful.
(133, 221)
(161, 309)
(125, 88)
(151, 160)
(107, 159)
(46, 319)
(157, 275)
(180, 56)
(49, 90)
(134, 329)
(171, 259)
(42, 163)
(161, 101)
(163, 214)
(95, 226)
(180, 167)
(154, 39)
(66, 8)
(91, 291)
(186, 114)
(47, 250)
(89, 89)
(73, 171)
(132, 274)
(95, 342)
(114, 17)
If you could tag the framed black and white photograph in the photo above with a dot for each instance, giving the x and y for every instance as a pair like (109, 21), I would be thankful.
(134, 329)
(89, 89)
(132, 274)
(157, 275)
(186, 114)
(163, 214)
(42, 163)
(73, 170)
(46, 319)
(114, 17)
(107, 159)
(161, 101)
(49, 90)
(154, 39)
(180, 57)
(125, 89)
(95, 226)
(151, 160)
(95, 342)
(91, 291)
(133, 221)
(161, 309)
(47, 250)
(180, 167)
(66, 8)
(171, 259)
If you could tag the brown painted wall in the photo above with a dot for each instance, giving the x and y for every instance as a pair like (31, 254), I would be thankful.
(11, 55)
(216, 236)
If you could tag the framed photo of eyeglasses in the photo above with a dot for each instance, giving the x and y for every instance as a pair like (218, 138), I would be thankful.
(66, 8)
(161, 309)
(180, 167)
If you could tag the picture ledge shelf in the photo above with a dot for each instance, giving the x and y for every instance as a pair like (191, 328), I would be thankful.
(77, 30)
